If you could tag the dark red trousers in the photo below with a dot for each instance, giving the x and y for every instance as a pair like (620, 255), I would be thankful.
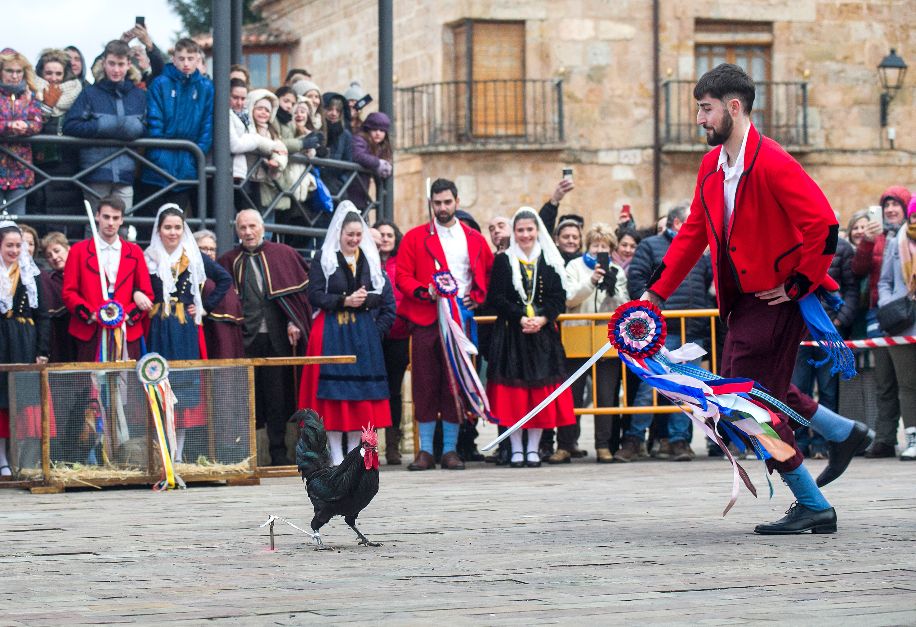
(89, 351)
(433, 396)
(761, 344)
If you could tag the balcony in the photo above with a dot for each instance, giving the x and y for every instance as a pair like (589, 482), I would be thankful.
(780, 112)
(480, 115)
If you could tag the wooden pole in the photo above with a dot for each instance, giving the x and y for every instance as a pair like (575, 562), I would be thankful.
(45, 398)
(252, 427)
(208, 394)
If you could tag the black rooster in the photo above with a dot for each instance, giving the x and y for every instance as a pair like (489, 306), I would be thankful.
(343, 490)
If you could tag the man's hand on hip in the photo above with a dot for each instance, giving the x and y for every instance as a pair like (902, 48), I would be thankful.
(776, 296)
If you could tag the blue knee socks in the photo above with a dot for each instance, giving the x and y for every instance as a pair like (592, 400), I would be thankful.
(832, 426)
(805, 490)
(427, 431)
(449, 436)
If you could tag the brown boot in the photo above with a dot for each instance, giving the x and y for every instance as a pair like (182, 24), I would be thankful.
(604, 456)
(562, 456)
(392, 446)
(451, 461)
(628, 451)
(680, 452)
(423, 461)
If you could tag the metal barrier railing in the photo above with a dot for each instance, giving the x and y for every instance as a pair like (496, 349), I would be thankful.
(582, 341)
(134, 149)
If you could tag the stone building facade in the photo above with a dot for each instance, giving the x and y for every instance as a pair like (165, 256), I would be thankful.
(816, 61)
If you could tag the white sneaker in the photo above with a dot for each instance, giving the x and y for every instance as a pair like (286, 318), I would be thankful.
(909, 454)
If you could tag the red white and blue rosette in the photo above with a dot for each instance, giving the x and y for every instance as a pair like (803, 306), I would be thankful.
(637, 329)
(111, 314)
(445, 284)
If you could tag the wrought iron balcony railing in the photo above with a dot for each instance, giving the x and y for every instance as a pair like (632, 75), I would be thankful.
(780, 111)
(480, 113)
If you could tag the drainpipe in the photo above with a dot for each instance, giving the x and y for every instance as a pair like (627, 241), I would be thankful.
(656, 112)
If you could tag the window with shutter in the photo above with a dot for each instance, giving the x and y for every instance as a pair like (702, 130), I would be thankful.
(488, 61)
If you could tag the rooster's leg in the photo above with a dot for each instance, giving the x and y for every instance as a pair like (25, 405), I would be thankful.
(363, 540)
(319, 545)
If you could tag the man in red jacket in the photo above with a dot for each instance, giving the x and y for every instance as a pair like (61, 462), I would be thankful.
(127, 280)
(772, 235)
(444, 244)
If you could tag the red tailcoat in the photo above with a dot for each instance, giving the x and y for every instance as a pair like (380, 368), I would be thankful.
(82, 291)
(417, 256)
(782, 231)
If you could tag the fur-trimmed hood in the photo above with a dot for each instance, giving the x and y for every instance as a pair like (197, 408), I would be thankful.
(262, 94)
(133, 74)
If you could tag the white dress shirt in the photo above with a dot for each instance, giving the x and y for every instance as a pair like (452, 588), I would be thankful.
(110, 260)
(732, 176)
(455, 244)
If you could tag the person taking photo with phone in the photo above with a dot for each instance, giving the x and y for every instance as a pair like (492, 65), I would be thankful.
(596, 284)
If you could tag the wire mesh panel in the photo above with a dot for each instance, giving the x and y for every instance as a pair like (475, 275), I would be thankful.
(101, 430)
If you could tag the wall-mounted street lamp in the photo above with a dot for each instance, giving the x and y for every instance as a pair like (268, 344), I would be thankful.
(891, 71)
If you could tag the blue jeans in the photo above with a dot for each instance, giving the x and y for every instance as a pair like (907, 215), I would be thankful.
(828, 385)
(12, 201)
(678, 423)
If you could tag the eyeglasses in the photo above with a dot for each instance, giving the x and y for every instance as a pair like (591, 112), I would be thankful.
(207, 249)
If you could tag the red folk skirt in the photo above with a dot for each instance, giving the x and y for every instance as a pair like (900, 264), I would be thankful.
(349, 415)
(509, 404)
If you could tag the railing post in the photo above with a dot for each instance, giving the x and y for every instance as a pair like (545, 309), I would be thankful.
(560, 126)
(667, 86)
(804, 90)
(386, 94)
(223, 207)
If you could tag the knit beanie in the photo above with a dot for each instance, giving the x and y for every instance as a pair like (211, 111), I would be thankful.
(303, 87)
(355, 91)
(377, 121)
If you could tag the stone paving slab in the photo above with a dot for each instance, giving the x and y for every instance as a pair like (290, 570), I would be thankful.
(621, 544)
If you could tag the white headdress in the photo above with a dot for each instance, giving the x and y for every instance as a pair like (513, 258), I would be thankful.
(160, 262)
(27, 273)
(331, 246)
(544, 245)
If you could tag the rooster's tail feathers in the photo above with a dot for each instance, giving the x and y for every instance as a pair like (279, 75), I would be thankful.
(312, 448)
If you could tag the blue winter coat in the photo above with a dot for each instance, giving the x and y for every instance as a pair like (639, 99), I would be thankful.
(107, 110)
(178, 107)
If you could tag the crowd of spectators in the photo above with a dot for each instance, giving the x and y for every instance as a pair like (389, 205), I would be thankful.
(258, 299)
(133, 90)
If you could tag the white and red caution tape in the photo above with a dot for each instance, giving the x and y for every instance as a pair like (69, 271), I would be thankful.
(877, 342)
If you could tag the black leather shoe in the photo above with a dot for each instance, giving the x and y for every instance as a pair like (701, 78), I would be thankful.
(799, 519)
(841, 453)
(517, 464)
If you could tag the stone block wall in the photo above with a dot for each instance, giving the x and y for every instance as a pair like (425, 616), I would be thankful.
(603, 52)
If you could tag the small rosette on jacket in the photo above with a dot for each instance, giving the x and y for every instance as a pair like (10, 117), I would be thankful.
(111, 314)
(445, 284)
(637, 328)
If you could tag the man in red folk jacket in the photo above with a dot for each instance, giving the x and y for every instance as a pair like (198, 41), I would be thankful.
(128, 283)
(446, 244)
(772, 235)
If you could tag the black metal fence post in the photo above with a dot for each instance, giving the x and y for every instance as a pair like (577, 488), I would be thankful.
(223, 206)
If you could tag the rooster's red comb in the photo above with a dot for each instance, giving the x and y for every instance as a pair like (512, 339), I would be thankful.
(370, 436)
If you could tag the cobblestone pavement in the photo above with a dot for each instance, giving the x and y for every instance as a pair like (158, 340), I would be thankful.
(638, 543)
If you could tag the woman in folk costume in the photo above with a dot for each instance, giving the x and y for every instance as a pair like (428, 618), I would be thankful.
(178, 270)
(355, 304)
(24, 333)
(527, 361)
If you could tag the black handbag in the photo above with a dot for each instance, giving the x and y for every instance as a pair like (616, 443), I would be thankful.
(898, 315)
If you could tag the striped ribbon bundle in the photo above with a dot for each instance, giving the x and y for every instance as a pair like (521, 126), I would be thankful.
(153, 372)
(458, 348)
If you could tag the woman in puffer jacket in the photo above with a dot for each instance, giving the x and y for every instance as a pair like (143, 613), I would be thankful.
(20, 116)
(58, 90)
